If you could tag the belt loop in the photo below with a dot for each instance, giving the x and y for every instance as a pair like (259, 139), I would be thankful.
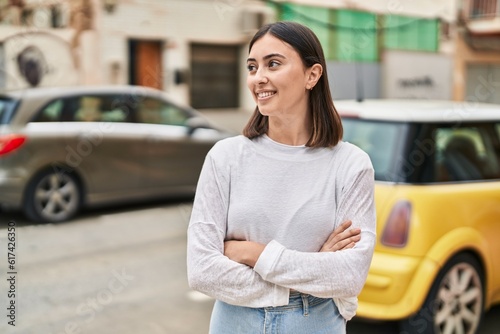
(305, 304)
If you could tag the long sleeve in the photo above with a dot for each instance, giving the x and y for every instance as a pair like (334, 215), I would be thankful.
(339, 274)
(209, 271)
(290, 199)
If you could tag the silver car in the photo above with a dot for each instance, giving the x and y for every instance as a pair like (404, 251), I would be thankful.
(65, 148)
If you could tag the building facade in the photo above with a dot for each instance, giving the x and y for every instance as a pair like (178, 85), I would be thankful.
(196, 49)
(381, 49)
(477, 52)
(445, 49)
(192, 49)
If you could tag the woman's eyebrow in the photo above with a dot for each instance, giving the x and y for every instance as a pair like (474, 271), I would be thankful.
(271, 55)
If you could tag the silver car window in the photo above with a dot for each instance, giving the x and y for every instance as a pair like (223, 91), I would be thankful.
(89, 109)
(86, 108)
(6, 110)
(51, 113)
(155, 111)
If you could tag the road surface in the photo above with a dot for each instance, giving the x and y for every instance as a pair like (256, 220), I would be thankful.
(119, 270)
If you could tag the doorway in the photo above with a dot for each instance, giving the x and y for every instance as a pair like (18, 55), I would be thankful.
(145, 67)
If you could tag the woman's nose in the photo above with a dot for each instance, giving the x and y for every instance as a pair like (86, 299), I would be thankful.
(261, 77)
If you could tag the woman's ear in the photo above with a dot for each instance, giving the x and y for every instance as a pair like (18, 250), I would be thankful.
(315, 73)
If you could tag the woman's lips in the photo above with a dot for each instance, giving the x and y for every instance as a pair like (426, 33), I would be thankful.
(265, 95)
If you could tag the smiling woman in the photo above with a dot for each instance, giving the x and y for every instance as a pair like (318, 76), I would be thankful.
(277, 81)
(283, 224)
(296, 77)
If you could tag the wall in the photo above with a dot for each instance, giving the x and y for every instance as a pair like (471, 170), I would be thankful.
(354, 80)
(417, 75)
(463, 89)
(37, 54)
(35, 58)
(177, 23)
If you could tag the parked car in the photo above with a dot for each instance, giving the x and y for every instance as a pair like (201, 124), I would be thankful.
(65, 148)
(436, 266)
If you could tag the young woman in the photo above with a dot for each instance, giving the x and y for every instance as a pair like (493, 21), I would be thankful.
(266, 238)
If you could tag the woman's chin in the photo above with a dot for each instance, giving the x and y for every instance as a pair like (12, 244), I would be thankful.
(264, 110)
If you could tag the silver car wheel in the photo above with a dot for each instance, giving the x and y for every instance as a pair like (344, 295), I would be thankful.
(56, 197)
(459, 301)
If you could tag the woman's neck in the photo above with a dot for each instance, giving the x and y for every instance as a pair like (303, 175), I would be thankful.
(294, 131)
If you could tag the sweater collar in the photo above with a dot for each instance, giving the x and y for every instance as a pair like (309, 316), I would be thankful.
(275, 150)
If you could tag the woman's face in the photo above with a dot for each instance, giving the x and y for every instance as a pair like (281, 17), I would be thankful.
(277, 78)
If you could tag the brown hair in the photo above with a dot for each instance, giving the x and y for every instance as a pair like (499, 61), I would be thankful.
(326, 123)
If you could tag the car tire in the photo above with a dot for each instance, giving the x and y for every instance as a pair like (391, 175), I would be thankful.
(52, 197)
(456, 300)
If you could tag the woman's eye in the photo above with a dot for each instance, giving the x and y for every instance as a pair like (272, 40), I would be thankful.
(251, 68)
(273, 63)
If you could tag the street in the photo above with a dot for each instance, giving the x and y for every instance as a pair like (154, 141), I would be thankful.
(116, 270)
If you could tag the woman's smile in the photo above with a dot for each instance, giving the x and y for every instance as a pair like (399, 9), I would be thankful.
(265, 95)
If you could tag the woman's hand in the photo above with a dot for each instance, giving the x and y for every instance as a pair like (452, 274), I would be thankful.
(342, 238)
(244, 252)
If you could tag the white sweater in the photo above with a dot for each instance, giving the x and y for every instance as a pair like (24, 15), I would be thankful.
(290, 198)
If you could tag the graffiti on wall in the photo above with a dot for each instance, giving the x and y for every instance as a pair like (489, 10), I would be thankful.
(32, 65)
(36, 59)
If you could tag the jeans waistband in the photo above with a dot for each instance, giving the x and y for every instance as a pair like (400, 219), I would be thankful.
(298, 300)
(295, 293)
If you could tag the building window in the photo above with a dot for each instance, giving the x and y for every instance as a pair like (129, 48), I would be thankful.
(484, 8)
(344, 34)
(410, 33)
(356, 36)
(50, 15)
(316, 18)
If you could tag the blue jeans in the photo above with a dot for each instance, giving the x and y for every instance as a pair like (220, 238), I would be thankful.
(304, 314)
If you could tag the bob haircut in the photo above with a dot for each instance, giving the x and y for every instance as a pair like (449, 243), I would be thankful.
(327, 128)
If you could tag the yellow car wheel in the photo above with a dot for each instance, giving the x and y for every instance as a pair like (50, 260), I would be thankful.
(455, 302)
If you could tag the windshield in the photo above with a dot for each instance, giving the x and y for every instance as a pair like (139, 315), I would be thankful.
(6, 110)
(381, 140)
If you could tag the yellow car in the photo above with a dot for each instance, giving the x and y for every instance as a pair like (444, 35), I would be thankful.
(436, 266)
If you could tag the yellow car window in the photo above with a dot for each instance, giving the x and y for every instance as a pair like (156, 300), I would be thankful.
(465, 154)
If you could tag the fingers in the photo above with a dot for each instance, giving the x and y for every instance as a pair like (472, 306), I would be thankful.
(345, 244)
(342, 238)
(344, 226)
